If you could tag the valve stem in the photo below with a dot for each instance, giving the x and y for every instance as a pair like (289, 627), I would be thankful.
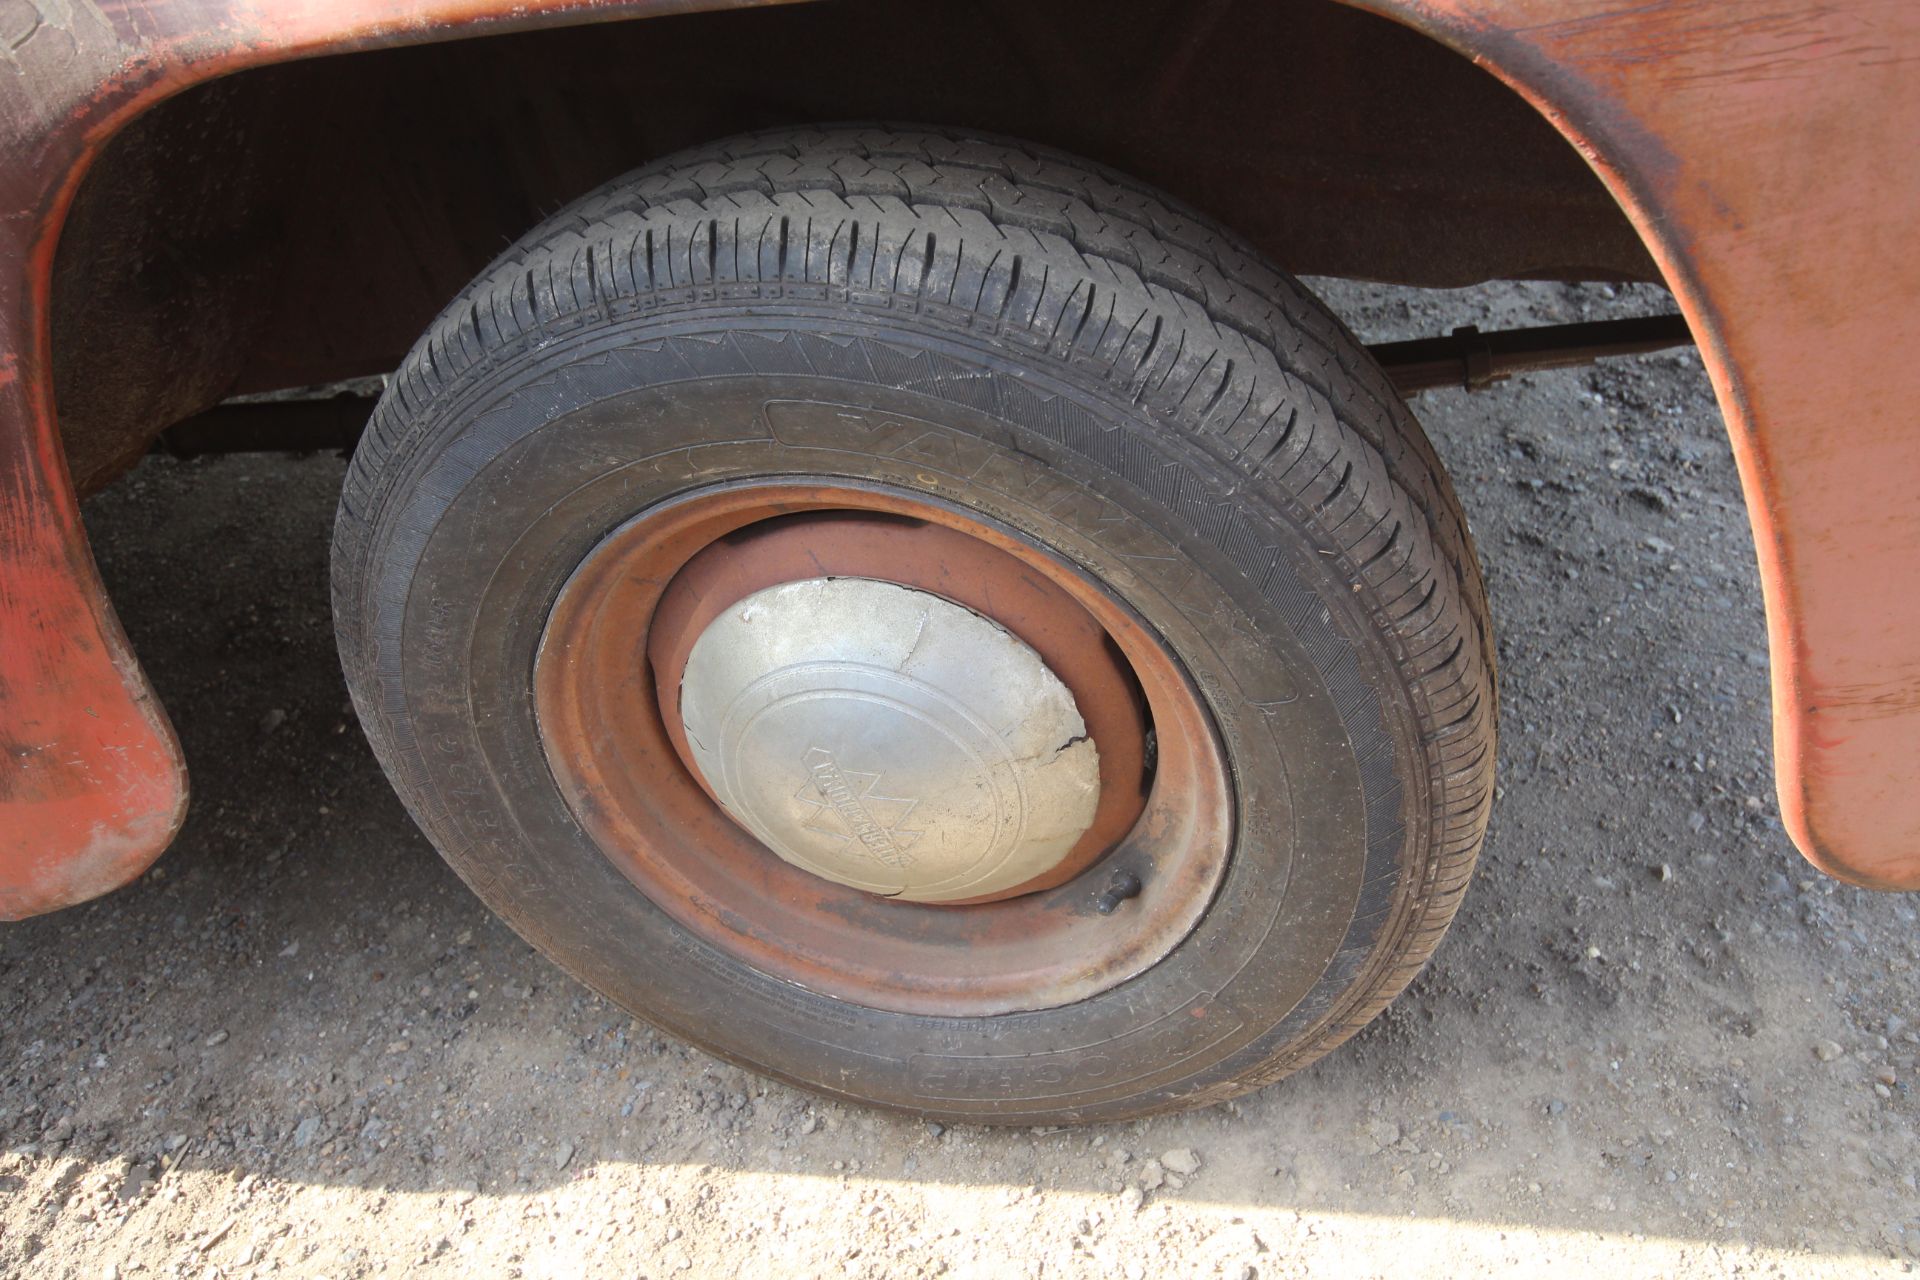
(1125, 885)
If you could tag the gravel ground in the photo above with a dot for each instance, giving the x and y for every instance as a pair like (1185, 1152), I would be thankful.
(1656, 1043)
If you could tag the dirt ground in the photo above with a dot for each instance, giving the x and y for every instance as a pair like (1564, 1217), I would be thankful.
(1656, 1042)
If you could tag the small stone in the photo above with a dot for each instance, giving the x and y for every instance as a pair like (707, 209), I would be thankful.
(290, 950)
(134, 1183)
(810, 1124)
(564, 1156)
(1132, 1199)
(1881, 1091)
(1555, 1107)
(935, 1128)
(1886, 1077)
(1153, 1176)
(305, 1132)
(216, 1039)
(272, 720)
(1827, 1050)
(1383, 1132)
(658, 1206)
(1663, 872)
(1181, 1160)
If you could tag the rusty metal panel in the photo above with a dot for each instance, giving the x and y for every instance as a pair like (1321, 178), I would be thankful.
(93, 787)
(1767, 153)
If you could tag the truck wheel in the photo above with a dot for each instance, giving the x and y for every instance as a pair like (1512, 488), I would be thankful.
(928, 619)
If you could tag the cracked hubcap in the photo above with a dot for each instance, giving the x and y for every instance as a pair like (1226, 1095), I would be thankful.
(888, 739)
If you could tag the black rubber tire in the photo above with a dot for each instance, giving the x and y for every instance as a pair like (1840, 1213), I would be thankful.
(1039, 340)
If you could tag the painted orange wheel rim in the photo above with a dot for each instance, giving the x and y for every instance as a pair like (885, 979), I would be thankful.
(606, 686)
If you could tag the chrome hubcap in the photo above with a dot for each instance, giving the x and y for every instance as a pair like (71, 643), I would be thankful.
(888, 739)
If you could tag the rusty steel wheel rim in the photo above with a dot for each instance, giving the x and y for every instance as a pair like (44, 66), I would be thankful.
(607, 689)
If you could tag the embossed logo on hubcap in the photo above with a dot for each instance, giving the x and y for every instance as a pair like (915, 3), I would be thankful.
(857, 811)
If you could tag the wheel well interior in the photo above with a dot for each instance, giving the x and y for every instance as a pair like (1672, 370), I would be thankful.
(302, 223)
